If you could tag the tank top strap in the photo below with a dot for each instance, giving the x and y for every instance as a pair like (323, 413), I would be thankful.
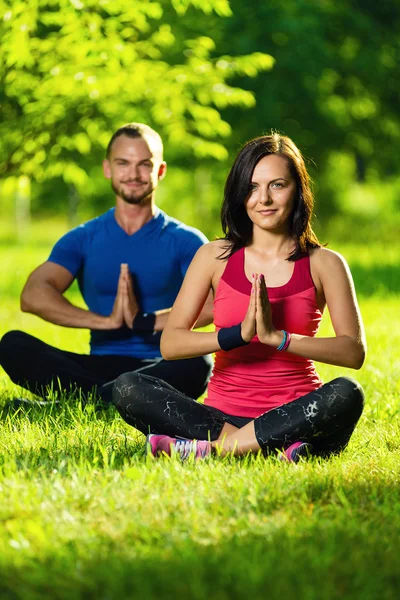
(301, 279)
(234, 274)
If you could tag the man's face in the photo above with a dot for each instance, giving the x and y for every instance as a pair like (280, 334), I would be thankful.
(134, 169)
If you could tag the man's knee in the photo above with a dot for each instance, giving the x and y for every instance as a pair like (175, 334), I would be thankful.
(191, 375)
(13, 339)
(11, 343)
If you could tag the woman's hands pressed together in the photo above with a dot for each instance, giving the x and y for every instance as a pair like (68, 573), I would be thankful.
(248, 329)
(258, 319)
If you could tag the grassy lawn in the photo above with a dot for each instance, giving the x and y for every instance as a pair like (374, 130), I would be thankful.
(86, 516)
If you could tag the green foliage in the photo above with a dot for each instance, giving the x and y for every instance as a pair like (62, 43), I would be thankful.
(334, 88)
(201, 73)
(73, 71)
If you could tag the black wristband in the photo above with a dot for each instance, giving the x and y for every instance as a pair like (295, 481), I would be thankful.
(230, 338)
(144, 322)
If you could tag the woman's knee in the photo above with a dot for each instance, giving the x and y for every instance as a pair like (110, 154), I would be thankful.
(351, 390)
(124, 387)
(132, 389)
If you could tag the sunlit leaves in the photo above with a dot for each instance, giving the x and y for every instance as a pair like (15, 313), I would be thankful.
(220, 7)
(249, 65)
(76, 69)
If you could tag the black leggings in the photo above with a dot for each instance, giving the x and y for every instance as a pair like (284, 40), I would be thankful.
(325, 417)
(38, 367)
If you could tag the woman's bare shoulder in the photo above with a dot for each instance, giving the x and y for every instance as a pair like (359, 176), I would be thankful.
(328, 263)
(213, 250)
(325, 257)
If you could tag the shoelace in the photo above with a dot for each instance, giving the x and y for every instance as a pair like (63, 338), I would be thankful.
(185, 448)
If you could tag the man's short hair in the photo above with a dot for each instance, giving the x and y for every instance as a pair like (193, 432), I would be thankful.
(138, 130)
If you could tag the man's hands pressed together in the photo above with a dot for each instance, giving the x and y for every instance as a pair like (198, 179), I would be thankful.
(125, 306)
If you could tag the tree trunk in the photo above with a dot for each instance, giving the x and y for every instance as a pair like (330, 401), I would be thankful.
(23, 207)
(73, 203)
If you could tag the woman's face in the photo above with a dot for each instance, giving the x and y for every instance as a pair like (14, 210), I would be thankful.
(270, 201)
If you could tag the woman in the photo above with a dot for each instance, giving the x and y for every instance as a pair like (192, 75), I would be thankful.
(271, 281)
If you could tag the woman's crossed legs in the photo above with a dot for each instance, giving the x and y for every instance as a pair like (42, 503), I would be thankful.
(324, 418)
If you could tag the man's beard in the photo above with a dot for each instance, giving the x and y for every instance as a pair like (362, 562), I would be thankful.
(132, 197)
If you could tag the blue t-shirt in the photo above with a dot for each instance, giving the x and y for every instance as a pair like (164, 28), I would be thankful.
(158, 255)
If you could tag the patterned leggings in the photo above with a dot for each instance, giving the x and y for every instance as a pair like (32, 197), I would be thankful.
(325, 417)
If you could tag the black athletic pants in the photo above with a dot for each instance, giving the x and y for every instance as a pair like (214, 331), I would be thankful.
(39, 367)
(326, 417)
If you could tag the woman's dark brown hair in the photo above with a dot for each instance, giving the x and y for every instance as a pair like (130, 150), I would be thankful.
(236, 224)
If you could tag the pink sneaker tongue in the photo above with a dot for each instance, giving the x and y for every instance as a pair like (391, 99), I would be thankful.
(203, 449)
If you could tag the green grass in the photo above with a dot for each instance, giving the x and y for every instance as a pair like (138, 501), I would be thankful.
(85, 516)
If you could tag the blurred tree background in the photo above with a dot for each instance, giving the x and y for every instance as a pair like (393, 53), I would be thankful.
(208, 75)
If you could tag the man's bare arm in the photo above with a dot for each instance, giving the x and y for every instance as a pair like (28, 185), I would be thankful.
(43, 296)
(205, 317)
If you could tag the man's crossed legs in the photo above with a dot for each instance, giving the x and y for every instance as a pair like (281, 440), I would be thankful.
(39, 367)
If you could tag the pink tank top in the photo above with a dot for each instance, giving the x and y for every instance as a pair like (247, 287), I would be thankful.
(253, 379)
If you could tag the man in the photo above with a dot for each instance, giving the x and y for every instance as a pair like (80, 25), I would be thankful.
(129, 263)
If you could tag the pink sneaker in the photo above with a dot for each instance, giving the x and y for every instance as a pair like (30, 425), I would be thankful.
(163, 444)
(296, 451)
